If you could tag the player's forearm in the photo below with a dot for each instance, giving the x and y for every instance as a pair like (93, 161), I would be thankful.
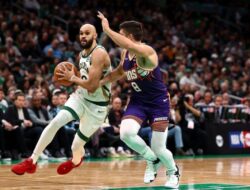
(196, 112)
(111, 77)
(88, 85)
(120, 40)
(177, 116)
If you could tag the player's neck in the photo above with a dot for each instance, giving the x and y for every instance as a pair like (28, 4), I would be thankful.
(131, 55)
(89, 50)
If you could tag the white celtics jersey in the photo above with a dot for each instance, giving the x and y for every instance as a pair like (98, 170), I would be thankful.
(102, 94)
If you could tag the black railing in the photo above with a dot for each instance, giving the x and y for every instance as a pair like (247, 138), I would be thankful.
(226, 114)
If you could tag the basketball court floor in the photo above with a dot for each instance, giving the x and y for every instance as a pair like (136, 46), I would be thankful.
(203, 173)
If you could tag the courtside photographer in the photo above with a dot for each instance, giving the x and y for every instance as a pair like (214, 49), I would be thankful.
(194, 135)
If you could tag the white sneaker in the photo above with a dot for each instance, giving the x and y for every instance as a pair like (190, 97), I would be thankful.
(151, 171)
(112, 153)
(44, 156)
(173, 180)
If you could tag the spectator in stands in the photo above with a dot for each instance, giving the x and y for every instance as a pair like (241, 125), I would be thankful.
(198, 97)
(187, 79)
(194, 135)
(19, 127)
(237, 89)
(218, 109)
(225, 99)
(52, 50)
(245, 110)
(44, 40)
(206, 100)
(1, 131)
(31, 50)
(62, 98)
(180, 68)
(39, 116)
(216, 86)
(12, 50)
(3, 102)
(224, 86)
(174, 89)
(246, 70)
(174, 129)
(31, 4)
(246, 101)
(4, 155)
(208, 97)
(11, 95)
(53, 108)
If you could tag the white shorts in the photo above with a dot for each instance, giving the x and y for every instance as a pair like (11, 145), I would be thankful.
(91, 115)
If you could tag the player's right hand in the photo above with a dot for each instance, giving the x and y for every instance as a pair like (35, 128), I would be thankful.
(105, 22)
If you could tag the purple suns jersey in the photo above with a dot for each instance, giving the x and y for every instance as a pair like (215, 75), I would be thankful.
(148, 87)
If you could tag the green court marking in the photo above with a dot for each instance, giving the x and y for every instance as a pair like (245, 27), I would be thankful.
(53, 160)
(212, 156)
(206, 186)
(137, 157)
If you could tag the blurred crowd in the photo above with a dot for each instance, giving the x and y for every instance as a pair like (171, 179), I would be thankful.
(203, 62)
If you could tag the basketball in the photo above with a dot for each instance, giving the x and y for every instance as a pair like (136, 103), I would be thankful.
(59, 67)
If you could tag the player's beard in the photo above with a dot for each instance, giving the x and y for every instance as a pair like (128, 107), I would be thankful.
(88, 44)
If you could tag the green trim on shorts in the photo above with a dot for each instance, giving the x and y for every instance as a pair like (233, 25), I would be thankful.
(98, 103)
(82, 136)
(74, 114)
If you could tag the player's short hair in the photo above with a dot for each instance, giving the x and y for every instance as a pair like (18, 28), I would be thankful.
(133, 27)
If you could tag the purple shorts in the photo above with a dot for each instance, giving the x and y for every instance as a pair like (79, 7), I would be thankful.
(147, 112)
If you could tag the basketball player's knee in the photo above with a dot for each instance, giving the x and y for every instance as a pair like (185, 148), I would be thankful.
(159, 152)
(128, 129)
(124, 134)
(155, 147)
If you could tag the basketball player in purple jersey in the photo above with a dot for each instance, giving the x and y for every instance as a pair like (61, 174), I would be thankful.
(149, 99)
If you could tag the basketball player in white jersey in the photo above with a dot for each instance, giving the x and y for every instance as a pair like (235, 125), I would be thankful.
(88, 103)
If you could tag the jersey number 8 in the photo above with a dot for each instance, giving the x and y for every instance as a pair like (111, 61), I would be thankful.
(135, 87)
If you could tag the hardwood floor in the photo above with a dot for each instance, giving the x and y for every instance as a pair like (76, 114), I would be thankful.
(97, 175)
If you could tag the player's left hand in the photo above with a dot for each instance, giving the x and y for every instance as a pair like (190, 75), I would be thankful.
(105, 22)
(65, 73)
